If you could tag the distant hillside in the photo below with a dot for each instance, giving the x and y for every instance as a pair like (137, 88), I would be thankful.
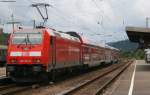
(124, 45)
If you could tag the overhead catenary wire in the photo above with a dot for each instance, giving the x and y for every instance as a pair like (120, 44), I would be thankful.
(106, 17)
(62, 17)
(101, 11)
(65, 18)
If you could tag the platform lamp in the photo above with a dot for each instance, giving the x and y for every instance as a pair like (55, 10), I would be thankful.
(147, 22)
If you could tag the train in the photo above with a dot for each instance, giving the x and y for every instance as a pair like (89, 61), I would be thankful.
(36, 54)
(3, 54)
(147, 55)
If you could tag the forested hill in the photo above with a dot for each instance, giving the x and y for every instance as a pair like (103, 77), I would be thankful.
(124, 45)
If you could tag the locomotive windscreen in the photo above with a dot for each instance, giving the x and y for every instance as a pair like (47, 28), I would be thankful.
(27, 38)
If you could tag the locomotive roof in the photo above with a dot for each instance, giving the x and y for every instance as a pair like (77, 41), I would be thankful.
(75, 36)
(28, 31)
(3, 47)
(63, 35)
(101, 46)
(67, 36)
(110, 47)
(52, 32)
(71, 35)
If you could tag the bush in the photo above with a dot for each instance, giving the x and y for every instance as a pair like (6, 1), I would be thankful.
(137, 54)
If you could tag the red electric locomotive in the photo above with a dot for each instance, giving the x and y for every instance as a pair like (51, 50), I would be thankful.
(34, 54)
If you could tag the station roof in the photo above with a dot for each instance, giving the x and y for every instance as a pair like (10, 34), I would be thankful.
(138, 34)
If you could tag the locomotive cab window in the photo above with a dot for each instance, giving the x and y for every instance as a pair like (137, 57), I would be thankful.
(27, 38)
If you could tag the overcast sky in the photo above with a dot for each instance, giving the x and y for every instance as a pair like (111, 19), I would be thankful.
(107, 18)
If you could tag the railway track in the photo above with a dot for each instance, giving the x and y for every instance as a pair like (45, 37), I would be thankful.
(7, 87)
(5, 80)
(97, 85)
(69, 86)
(90, 86)
(11, 89)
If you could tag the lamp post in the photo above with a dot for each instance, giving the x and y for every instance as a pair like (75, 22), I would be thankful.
(147, 22)
(13, 22)
(12, 16)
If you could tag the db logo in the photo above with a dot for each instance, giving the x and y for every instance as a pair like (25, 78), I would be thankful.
(25, 54)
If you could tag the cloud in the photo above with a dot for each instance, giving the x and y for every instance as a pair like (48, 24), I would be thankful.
(88, 17)
(142, 7)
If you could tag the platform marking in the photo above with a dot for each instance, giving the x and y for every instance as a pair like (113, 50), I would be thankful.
(132, 81)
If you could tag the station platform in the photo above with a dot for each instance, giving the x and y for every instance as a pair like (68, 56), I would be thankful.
(134, 81)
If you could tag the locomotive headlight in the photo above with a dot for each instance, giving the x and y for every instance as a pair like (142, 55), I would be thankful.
(37, 68)
(36, 60)
(13, 60)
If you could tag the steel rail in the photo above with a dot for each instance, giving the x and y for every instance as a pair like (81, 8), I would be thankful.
(103, 87)
(14, 90)
(80, 86)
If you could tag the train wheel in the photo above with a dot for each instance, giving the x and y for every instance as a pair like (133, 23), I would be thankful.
(53, 77)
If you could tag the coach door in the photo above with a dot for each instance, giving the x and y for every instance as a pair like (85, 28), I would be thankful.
(53, 47)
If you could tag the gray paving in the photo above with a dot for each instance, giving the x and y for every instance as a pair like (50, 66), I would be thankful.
(142, 79)
(141, 84)
(123, 84)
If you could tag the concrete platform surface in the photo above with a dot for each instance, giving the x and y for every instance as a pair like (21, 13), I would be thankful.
(142, 79)
(134, 81)
(122, 85)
